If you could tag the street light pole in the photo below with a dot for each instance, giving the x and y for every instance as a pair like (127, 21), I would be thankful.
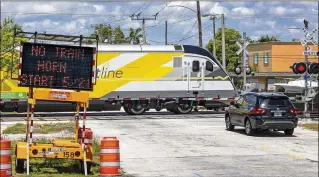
(214, 18)
(214, 33)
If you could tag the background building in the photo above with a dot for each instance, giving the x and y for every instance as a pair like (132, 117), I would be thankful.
(271, 62)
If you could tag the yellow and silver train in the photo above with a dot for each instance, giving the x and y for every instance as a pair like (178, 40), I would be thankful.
(143, 77)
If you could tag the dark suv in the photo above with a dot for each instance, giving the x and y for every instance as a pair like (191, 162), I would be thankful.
(262, 111)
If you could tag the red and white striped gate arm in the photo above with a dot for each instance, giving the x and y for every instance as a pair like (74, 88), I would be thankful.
(83, 129)
(93, 66)
(20, 64)
(31, 123)
(197, 98)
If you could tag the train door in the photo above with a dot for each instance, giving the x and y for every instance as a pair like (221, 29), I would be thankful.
(195, 74)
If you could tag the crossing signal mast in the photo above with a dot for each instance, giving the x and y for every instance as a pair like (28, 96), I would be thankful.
(307, 68)
(243, 43)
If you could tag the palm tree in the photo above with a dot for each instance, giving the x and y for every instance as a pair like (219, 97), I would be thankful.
(134, 36)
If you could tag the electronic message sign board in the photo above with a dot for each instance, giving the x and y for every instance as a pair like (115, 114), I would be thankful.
(56, 66)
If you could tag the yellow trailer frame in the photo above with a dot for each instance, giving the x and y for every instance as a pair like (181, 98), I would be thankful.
(59, 148)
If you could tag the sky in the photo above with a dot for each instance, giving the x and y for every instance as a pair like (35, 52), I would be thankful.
(255, 18)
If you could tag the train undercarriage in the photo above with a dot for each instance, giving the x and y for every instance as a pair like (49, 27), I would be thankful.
(131, 107)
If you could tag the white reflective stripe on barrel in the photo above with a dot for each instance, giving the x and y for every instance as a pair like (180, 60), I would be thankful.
(110, 164)
(109, 151)
(5, 152)
(88, 141)
(5, 166)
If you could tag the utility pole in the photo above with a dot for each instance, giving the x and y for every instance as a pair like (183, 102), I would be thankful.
(137, 17)
(214, 33)
(223, 42)
(214, 18)
(200, 35)
(165, 32)
(144, 34)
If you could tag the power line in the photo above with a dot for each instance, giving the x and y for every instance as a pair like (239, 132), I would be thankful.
(164, 7)
(167, 15)
(194, 34)
(71, 8)
(140, 7)
(228, 14)
(146, 7)
(160, 25)
(179, 15)
(231, 16)
(185, 38)
(188, 32)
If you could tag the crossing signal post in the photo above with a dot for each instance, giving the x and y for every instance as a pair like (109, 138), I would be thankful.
(243, 43)
(309, 37)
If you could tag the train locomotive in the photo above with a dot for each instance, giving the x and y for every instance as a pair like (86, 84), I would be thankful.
(143, 77)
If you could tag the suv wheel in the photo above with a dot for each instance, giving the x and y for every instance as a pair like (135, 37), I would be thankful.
(229, 126)
(248, 129)
(289, 131)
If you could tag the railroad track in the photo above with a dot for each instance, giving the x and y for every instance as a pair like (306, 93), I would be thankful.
(103, 113)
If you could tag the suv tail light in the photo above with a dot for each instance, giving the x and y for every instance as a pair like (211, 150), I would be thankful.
(256, 110)
(293, 111)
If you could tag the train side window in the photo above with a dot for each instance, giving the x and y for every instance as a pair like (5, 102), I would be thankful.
(209, 66)
(195, 66)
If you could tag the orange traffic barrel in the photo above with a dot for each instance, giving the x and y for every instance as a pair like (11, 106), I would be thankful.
(110, 157)
(5, 158)
(88, 136)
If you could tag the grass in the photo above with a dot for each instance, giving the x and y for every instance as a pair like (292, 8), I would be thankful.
(20, 128)
(41, 167)
(313, 126)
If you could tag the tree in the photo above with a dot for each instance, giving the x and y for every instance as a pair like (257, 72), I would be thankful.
(267, 38)
(231, 35)
(7, 29)
(134, 36)
(118, 36)
(109, 35)
(104, 32)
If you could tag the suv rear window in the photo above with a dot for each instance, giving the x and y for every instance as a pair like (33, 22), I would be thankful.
(275, 101)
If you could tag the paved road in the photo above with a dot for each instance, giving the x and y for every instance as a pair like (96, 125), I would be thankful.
(153, 146)
(199, 146)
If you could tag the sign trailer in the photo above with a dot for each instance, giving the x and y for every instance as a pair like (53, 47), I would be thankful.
(62, 71)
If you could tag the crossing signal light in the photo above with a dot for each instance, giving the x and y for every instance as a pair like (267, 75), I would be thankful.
(238, 70)
(299, 68)
(314, 68)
